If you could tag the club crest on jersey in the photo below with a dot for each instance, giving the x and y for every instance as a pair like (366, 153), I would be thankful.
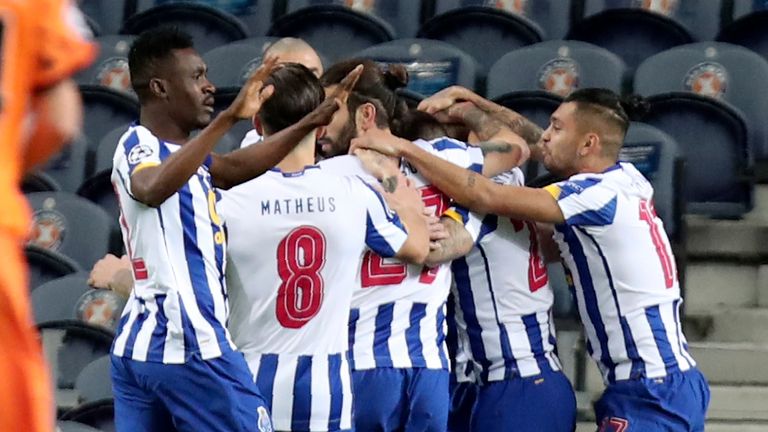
(707, 79)
(115, 74)
(517, 7)
(139, 153)
(265, 424)
(100, 307)
(559, 76)
(664, 7)
(48, 227)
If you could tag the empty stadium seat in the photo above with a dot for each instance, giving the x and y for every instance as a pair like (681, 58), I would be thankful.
(69, 224)
(334, 31)
(557, 67)
(55, 300)
(99, 415)
(70, 426)
(68, 166)
(553, 16)
(719, 70)
(637, 30)
(484, 33)
(99, 190)
(230, 65)
(104, 111)
(432, 65)
(255, 14)
(714, 139)
(209, 27)
(110, 69)
(403, 16)
(108, 15)
(38, 181)
(69, 346)
(750, 19)
(94, 383)
(105, 151)
(46, 265)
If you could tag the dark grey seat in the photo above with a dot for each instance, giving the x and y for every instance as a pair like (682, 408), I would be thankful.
(69, 224)
(68, 166)
(747, 27)
(231, 64)
(403, 16)
(255, 14)
(70, 426)
(94, 383)
(39, 181)
(107, 14)
(99, 414)
(57, 299)
(46, 265)
(110, 69)
(432, 65)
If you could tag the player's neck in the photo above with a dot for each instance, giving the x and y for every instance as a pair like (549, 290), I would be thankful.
(162, 126)
(301, 156)
(596, 166)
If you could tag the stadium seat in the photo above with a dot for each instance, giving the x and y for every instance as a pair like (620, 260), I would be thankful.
(231, 64)
(557, 67)
(72, 225)
(70, 426)
(105, 110)
(98, 189)
(209, 27)
(637, 30)
(255, 14)
(553, 16)
(723, 71)
(39, 181)
(484, 33)
(334, 31)
(432, 65)
(108, 15)
(100, 308)
(69, 346)
(714, 138)
(403, 16)
(55, 300)
(105, 151)
(94, 383)
(750, 19)
(68, 166)
(110, 69)
(100, 415)
(46, 265)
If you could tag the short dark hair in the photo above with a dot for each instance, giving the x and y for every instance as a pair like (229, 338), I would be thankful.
(148, 49)
(609, 106)
(297, 93)
(376, 85)
(415, 124)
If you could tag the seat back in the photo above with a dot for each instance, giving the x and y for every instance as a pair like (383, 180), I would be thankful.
(730, 73)
(39, 181)
(714, 138)
(107, 14)
(56, 300)
(484, 33)
(68, 166)
(94, 383)
(98, 189)
(432, 65)
(255, 14)
(105, 110)
(553, 16)
(750, 18)
(70, 426)
(404, 16)
(334, 31)
(110, 69)
(66, 223)
(557, 67)
(99, 414)
(230, 65)
(46, 265)
(209, 27)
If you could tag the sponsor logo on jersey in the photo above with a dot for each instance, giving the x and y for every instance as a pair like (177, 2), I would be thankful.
(707, 79)
(559, 76)
(265, 424)
(139, 153)
(664, 7)
(115, 74)
(100, 307)
(48, 229)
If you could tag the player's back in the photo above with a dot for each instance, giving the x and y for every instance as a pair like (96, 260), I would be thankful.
(622, 266)
(296, 241)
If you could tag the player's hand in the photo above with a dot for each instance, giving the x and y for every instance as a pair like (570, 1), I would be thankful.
(323, 114)
(253, 94)
(104, 270)
(437, 230)
(403, 197)
(442, 100)
(456, 113)
(380, 140)
(378, 165)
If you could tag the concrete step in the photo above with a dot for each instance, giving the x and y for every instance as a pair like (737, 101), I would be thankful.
(710, 239)
(740, 325)
(724, 284)
(743, 403)
(732, 363)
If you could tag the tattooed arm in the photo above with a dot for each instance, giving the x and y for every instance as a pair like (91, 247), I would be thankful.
(457, 244)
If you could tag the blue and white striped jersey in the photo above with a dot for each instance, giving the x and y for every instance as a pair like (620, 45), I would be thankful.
(296, 243)
(398, 315)
(178, 306)
(623, 272)
(504, 297)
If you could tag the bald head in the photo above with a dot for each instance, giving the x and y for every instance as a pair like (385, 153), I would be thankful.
(293, 50)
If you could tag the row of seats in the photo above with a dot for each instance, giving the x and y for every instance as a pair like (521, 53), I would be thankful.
(633, 29)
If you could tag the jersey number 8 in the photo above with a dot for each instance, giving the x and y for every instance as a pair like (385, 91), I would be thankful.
(300, 258)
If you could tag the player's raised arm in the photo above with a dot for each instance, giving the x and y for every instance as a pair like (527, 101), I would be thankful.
(467, 187)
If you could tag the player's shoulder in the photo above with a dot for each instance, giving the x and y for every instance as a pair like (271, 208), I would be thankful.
(441, 144)
(345, 166)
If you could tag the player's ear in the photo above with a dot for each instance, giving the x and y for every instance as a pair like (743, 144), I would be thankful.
(591, 144)
(157, 87)
(320, 132)
(365, 116)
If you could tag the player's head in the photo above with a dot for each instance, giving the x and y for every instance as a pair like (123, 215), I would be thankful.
(415, 124)
(293, 50)
(297, 93)
(372, 102)
(587, 130)
(166, 71)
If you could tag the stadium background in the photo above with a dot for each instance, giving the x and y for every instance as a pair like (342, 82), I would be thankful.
(704, 146)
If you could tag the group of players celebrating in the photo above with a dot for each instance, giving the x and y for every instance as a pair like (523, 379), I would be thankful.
(356, 231)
